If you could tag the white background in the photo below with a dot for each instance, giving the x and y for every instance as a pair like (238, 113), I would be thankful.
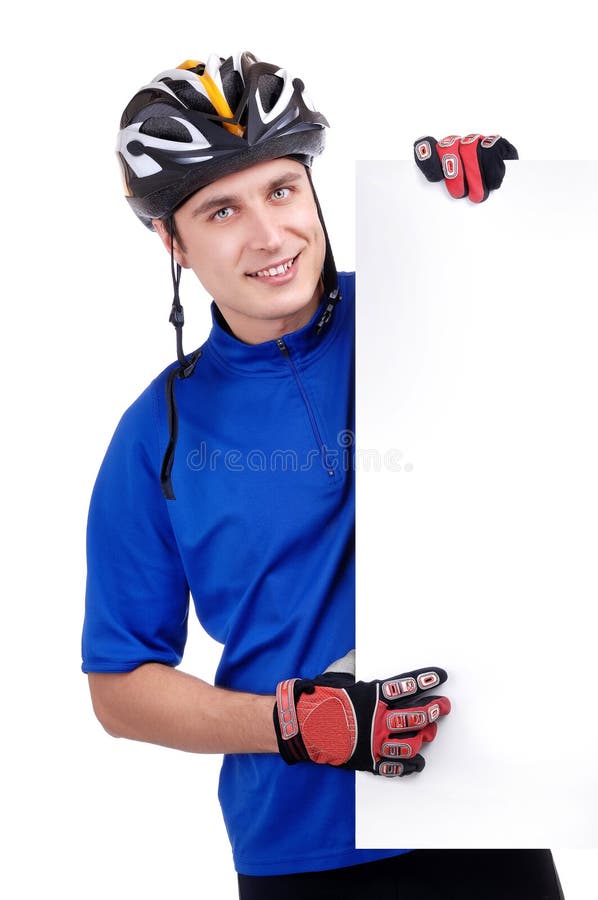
(86, 299)
(484, 380)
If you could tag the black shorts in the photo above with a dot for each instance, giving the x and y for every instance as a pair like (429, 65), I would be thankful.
(421, 875)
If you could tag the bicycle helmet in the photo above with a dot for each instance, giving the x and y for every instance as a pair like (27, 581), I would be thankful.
(199, 122)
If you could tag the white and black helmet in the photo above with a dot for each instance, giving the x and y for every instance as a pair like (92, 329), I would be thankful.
(201, 121)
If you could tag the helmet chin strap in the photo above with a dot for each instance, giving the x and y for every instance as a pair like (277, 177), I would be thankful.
(177, 313)
(185, 369)
(329, 273)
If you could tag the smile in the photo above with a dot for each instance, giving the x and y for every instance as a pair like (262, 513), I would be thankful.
(278, 269)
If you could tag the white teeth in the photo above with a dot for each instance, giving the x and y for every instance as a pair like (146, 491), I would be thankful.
(275, 270)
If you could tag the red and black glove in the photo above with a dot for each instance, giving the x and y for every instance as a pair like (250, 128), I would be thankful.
(471, 166)
(370, 726)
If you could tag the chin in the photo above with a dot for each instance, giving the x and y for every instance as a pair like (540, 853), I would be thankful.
(290, 301)
(294, 306)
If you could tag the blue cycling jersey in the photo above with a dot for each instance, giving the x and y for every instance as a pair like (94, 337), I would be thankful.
(261, 534)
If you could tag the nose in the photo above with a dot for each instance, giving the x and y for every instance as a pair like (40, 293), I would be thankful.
(265, 232)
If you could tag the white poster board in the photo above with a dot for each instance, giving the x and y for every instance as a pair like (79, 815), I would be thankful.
(477, 376)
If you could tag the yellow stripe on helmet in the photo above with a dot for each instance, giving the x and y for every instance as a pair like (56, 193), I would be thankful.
(217, 98)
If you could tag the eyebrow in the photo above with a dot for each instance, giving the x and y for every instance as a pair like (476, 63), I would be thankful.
(222, 200)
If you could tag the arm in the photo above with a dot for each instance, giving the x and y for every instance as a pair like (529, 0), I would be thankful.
(162, 705)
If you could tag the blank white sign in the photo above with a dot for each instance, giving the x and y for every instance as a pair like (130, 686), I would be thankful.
(477, 515)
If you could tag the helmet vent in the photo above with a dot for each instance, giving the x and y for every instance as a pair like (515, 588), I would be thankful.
(188, 95)
(166, 128)
(269, 90)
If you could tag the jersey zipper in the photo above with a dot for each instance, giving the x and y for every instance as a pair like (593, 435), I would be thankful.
(321, 445)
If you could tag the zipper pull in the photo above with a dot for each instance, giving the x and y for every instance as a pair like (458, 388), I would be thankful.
(282, 346)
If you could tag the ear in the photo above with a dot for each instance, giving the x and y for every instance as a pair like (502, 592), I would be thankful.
(164, 234)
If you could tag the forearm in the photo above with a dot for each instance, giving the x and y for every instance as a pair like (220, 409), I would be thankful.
(162, 705)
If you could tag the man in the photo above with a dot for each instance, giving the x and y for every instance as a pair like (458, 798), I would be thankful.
(226, 479)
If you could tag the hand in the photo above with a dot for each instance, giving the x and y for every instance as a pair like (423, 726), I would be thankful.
(371, 726)
(471, 166)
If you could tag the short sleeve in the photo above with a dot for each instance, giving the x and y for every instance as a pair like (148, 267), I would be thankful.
(137, 596)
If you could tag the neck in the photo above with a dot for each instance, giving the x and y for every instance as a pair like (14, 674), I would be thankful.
(251, 330)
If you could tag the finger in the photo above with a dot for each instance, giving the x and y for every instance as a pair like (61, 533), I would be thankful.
(507, 150)
(415, 718)
(448, 149)
(409, 744)
(426, 157)
(411, 684)
(428, 733)
(391, 768)
(471, 154)
(493, 150)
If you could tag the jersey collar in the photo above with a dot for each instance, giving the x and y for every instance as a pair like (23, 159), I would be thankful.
(305, 344)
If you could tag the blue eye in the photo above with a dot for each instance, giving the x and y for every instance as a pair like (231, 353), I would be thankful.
(224, 213)
(281, 193)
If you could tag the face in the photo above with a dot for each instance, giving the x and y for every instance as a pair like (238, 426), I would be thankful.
(255, 241)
